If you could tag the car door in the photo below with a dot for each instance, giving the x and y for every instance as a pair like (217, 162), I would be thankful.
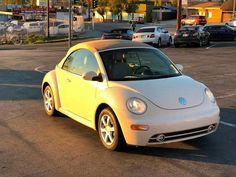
(78, 94)
(161, 35)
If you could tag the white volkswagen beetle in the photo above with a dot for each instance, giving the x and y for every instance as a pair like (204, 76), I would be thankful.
(131, 93)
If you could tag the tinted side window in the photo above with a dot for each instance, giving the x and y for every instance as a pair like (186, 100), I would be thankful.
(81, 61)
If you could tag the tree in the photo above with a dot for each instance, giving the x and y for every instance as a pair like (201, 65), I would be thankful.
(102, 7)
(131, 7)
(117, 7)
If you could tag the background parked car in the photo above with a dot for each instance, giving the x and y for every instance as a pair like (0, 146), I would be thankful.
(138, 20)
(60, 29)
(155, 35)
(194, 20)
(34, 27)
(191, 35)
(231, 23)
(122, 33)
(221, 32)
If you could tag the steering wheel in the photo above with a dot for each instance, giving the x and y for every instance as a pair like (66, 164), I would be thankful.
(143, 70)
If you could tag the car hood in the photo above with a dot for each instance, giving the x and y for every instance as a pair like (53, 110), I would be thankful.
(169, 93)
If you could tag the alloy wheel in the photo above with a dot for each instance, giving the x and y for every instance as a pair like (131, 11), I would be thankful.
(107, 129)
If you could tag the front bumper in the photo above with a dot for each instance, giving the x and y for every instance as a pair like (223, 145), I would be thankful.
(175, 125)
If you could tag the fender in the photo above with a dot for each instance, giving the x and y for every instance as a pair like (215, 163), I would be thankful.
(51, 79)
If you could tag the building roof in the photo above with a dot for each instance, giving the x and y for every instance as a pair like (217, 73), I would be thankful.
(228, 5)
(206, 5)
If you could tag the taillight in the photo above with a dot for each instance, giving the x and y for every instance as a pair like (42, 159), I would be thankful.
(177, 34)
(133, 37)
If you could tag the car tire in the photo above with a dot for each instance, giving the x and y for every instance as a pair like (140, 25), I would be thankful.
(200, 43)
(109, 130)
(49, 101)
(159, 43)
(170, 41)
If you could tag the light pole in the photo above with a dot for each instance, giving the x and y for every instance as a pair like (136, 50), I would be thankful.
(234, 9)
(69, 34)
(48, 32)
(146, 9)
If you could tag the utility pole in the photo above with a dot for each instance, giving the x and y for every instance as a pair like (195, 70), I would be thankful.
(234, 10)
(146, 10)
(179, 9)
(69, 34)
(48, 32)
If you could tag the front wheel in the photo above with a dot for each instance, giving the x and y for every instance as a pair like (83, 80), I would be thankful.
(170, 41)
(109, 130)
(49, 103)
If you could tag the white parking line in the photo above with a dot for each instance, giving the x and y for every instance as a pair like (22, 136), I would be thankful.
(228, 124)
(38, 69)
(226, 96)
(210, 46)
(21, 85)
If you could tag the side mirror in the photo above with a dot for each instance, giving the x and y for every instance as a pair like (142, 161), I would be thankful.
(92, 76)
(179, 67)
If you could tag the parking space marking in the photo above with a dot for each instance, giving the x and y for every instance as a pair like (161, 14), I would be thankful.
(210, 46)
(21, 85)
(228, 124)
(226, 96)
(40, 71)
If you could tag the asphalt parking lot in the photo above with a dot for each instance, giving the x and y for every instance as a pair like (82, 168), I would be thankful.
(34, 145)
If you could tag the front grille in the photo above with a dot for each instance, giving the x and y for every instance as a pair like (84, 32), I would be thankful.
(165, 137)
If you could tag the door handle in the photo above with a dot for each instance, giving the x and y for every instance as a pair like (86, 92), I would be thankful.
(68, 80)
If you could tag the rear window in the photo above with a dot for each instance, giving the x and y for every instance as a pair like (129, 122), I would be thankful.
(188, 28)
(146, 30)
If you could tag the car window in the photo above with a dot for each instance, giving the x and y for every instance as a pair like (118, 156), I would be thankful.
(81, 61)
(146, 30)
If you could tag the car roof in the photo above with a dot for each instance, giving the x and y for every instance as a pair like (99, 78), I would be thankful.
(99, 45)
(120, 29)
(215, 25)
(151, 27)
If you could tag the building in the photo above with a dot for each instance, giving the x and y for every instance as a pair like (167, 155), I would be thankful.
(215, 12)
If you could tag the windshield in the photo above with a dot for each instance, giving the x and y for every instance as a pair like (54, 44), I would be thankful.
(137, 64)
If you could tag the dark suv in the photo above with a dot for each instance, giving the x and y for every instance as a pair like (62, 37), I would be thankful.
(194, 20)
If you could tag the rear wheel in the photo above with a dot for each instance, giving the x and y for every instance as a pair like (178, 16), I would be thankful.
(200, 43)
(49, 103)
(170, 41)
(159, 43)
(109, 130)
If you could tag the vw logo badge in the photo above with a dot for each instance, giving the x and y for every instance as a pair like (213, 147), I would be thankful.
(182, 101)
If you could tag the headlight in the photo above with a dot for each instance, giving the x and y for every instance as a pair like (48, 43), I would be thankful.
(210, 95)
(136, 105)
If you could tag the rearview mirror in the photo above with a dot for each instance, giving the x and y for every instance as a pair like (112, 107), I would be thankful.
(179, 67)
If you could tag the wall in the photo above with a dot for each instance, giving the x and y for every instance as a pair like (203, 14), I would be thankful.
(213, 15)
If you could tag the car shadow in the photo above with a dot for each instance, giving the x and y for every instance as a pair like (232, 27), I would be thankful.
(215, 148)
(20, 84)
